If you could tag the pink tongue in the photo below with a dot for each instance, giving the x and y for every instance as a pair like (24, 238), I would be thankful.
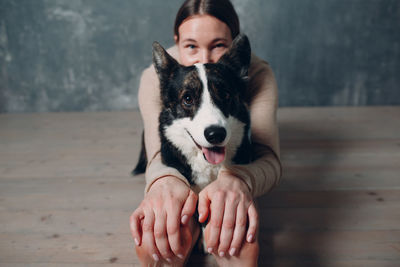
(214, 155)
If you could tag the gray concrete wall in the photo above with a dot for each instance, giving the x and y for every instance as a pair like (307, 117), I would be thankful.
(83, 55)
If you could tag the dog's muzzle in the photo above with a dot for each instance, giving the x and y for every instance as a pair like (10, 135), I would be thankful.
(214, 135)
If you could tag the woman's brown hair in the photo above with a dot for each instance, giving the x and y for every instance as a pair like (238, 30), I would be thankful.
(221, 9)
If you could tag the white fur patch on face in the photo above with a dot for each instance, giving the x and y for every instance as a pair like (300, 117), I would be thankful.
(183, 131)
(207, 115)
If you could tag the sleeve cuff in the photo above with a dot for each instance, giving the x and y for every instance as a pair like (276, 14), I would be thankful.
(261, 176)
(157, 170)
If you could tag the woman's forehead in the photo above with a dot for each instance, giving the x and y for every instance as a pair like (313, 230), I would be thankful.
(204, 28)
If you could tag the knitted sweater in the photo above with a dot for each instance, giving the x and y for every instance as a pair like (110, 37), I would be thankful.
(260, 175)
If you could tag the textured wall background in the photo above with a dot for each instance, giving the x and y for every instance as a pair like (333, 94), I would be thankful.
(75, 55)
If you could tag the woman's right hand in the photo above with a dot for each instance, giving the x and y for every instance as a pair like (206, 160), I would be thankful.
(157, 221)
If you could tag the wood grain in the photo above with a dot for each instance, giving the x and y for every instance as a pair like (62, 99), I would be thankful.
(66, 193)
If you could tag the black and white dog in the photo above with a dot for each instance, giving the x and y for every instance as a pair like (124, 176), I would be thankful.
(204, 123)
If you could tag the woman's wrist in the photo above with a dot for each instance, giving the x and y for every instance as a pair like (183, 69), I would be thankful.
(226, 174)
(167, 180)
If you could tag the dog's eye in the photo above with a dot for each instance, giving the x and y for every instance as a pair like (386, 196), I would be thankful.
(187, 100)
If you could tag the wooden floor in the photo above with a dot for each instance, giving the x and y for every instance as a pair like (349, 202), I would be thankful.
(66, 193)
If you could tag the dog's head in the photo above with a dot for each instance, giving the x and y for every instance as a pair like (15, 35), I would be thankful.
(203, 105)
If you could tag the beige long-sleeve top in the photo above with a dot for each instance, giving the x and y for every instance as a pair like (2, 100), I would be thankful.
(262, 97)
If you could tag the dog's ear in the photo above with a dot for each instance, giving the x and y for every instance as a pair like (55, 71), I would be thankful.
(163, 62)
(238, 56)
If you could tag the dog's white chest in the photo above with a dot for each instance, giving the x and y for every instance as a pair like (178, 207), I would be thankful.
(203, 172)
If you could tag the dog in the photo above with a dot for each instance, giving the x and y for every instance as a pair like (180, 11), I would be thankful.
(205, 122)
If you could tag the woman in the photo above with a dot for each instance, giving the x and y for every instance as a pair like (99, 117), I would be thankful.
(163, 226)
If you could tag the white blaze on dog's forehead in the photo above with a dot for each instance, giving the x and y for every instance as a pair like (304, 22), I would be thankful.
(202, 73)
(208, 113)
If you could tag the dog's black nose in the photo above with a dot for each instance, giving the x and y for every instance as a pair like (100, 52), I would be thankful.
(215, 134)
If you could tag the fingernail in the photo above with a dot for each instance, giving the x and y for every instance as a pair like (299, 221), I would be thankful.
(232, 251)
(184, 219)
(180, 256)
(221, 254)
(250, 238)
(200, 215)
(155, 257)
(210, 250)
(169, 260)
(136, 242)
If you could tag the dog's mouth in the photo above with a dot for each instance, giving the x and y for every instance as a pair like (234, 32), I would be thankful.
(214, 155)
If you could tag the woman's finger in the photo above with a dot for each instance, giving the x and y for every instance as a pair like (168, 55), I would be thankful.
(217, 214)
(174, 230)
(228, 226)
(204, 206)
(240, 229)
(148, 234)
(253, 223)
(135, 225)
(160, 235)
(189, 207)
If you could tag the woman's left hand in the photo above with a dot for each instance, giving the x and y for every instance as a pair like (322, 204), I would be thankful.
(230, 203)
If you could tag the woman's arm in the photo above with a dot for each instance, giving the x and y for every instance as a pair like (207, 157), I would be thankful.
(229, 199)
(150, 108)
(264, 173)
(168, 202)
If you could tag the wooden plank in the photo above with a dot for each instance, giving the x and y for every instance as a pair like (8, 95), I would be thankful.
(113, 261)
(327, 179)
(201, 260)
(319, 247)
(76, 192)
(67, 248)
(317, 170)
(329, 199)
(66, 193)
(334, 245)
(339, 123)
(77, 210)
(86, 220)
(97, 191)
(331, 263)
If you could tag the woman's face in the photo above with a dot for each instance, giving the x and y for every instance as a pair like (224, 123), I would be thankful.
(202, 39)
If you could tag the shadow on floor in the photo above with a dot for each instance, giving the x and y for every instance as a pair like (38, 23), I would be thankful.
(288, 229)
